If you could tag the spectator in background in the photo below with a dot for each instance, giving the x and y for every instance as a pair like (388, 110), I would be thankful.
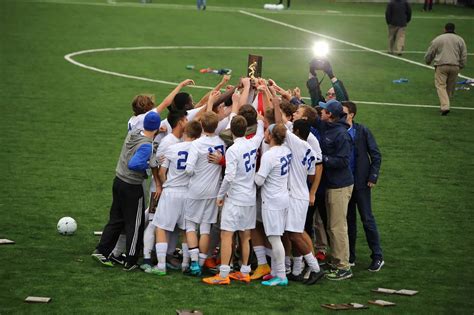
(365, 165)
(428, 5)
(201, 4)
(397, 15)
(448, 53)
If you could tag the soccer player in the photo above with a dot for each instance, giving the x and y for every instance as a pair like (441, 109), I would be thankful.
(201, 207)
(128, 206)
(273, 177)
(237, 195)
(170, 212)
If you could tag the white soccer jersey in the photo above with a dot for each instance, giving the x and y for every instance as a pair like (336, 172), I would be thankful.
(313, 142)
(241, 159)
(275, 167)
(136, 122)
(205, 177)
(162, 146)
(176, 156)
(191, 114)
(302, 165)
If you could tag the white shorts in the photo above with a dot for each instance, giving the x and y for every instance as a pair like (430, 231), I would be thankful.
(170, 210)
(237, 218)
(274, 221)
(296, 215)
(201, 210)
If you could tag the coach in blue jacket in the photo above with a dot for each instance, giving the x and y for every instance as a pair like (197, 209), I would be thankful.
(365, 165)
(338, 179)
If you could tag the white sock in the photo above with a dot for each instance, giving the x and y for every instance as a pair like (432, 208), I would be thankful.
(161, 255)
(312, 262)
(186, 258)
(245, 269)
(268, 252)
(194, 253)
(202, 258)
(278, 256)
(260, 253)
(120, 246)
(287, 262)
(224, 271)
(297, 265)
(148, 240)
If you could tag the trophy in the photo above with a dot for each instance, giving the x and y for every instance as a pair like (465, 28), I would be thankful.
(254, 67)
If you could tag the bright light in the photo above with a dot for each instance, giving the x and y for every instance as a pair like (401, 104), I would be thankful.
(320, 49)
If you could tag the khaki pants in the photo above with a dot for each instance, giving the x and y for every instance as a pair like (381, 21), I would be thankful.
(337, 201)
(396, 39)
(321, 238)
(445, 81)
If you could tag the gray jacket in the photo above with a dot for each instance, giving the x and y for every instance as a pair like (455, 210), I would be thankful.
(132, 142)
(447, 49)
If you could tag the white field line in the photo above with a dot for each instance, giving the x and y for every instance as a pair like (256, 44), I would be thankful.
(113, 3)
(340, 41)
(69, 58)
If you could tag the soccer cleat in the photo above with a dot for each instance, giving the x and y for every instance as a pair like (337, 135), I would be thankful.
(119, 260)
(262, 270)
(195, 269)
(156, 271)
(268, 277)
(276, 281)
(240, 276)
(376, 265)
(172, 262)
(314, 277)
(102, 259)
(339, 274)
(130, 267)
(216, 280)
(210, 263)
(297, 278)
(444, 112)
(145, 267)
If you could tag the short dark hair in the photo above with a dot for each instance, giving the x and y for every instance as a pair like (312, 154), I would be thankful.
(279, 134)
(287, 108)
(181, 100)
(302, 128)
(193, 129)
(270, 116)
(175, 116)
(238, 126)
(249, 113)
(142, 104)
(309, 112)
(449, 27)
(351, 107)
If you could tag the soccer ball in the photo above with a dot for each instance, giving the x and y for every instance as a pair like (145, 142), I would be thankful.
(67, 226)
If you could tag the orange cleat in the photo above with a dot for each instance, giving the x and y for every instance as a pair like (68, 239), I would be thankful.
(216, 280)
(240, 276)
(261, 271)
(210, 263)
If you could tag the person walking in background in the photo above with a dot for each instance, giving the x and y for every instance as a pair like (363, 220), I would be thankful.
(448, 53)
(201, 4)
(428, 5)
(397, 15)
(365, 165)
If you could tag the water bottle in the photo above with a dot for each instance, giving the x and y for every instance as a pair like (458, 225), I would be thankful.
(401, 80)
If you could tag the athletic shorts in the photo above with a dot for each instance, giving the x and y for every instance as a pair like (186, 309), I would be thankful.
(201, 210)
(170, 210)
(237, 218)
(296, 215)
(274, 221)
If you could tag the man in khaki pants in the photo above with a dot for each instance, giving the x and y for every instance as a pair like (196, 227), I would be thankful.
(449, 54)
(336, 147)
(397, 16)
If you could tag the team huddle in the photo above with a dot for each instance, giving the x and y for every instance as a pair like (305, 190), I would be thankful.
(241, 171)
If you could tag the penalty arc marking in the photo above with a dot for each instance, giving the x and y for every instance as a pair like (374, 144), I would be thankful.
(70, 58)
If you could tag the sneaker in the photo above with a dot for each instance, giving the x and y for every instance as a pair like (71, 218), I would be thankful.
(240, 276)
(216, 280)
(102, 259)
(268, 277)
(172, 262)
(262, 270)
(276, 281)
(314, 277)
(376, 265)
(339, 274)
(156, 271)
(352, 263)
(296, 278)
(118, 260)
(195, 269)
(130, 267)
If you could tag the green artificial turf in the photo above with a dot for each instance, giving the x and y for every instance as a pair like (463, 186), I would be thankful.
(62, 128)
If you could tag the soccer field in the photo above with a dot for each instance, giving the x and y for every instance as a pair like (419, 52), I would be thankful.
(63, 125)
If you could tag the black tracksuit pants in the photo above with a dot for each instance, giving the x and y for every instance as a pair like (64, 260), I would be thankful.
(126, 213)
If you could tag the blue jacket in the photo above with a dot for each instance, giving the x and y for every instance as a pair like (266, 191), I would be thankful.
(336, 145)
(367, 156)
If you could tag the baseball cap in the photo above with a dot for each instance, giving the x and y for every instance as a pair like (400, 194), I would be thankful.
(333, 106)
(152, 121)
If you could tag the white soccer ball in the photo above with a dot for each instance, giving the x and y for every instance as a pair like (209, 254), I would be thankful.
(67, 226)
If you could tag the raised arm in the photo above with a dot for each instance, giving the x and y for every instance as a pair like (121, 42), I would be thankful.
(169, 99)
